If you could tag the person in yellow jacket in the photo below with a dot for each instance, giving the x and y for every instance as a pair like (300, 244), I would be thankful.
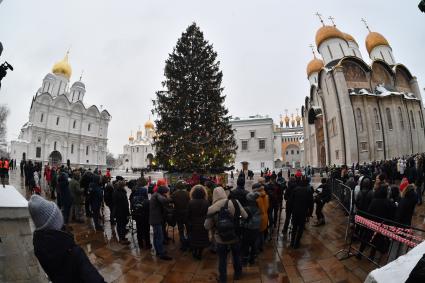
(263, 205)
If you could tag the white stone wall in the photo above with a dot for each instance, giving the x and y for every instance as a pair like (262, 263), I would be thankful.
(258, 158)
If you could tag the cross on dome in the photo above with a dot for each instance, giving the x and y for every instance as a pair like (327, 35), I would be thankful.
(365, 23)
(320, 18)
(332, 20)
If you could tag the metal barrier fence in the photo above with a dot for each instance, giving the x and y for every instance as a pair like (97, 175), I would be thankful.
(342, 194)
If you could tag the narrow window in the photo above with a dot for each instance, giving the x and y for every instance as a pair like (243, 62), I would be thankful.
(72, 148)
(262, 144)
(292, 152)
(244, 145)
(359, 119)
(330, 52)
(38, 152)
(342, 49)
(73, 94)
(377, 123)
(252, 134)
(54, 146)
(87, 150)
(400, 118)
(421, 119)
(74, 124)
(42, 117)
(412, 120)
(137, 149)
(389, 119)
(57, 121)
(88, 127)
(337, 154)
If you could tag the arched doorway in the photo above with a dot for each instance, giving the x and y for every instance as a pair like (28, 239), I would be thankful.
(149, 158)
(55, 158)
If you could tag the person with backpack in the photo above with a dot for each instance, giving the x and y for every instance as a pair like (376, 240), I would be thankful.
(180, 199)
(197, 213)
(158, 205)
(251, 228)
(121, 211)
(139, 201)
(324, 195)
(222, 217)
(58, 254)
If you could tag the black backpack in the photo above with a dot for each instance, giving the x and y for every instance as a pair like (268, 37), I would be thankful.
(226, 224)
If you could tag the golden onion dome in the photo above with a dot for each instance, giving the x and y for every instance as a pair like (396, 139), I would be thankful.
(149, 125)
(139, 133)
(327, 32)
(298, 118)
(314, 66)
(63, 68)
(349, 37)
(287, 119)
(374, 39)
(131, 138)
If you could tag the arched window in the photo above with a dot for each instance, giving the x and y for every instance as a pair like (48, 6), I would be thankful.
(359, 119)
(87, 150)
(72, 148)
(389, 119)
(57, 121)
(42, 117)
(421, 119)
(54, 146)
(74, 124)
(400, 118)
(412, 119)
(88, 127)
(377, 123)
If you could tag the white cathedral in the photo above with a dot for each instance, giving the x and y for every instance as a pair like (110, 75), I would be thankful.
(139, 152)
(358, 111)
(61, 127)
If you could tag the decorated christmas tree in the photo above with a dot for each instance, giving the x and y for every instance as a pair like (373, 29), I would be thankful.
(193, 131)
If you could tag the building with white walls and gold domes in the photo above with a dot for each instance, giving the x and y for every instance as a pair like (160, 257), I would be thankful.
(61, 127)
(139, 152)
(359, 111)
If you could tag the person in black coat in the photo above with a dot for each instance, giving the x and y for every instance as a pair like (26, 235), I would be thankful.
(65, 196)
(406, 207)
(139, 201)
(323, 196)
(239, 193)
(380, 209)
(365, 196)
(197, 213)
(180, 199)
(96, 199)
(121, 211)
(301, 203)
(85, 181)
(107, 196)
(292, 183)
(59, 256)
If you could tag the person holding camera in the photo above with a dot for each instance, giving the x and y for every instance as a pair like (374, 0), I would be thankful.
(158, 205)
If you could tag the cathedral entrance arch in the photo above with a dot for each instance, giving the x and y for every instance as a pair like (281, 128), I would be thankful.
(55, 158)
(320, 141)
(150, 158)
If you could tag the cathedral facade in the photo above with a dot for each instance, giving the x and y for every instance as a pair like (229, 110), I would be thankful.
(139, 152)
(61, 128)
(358, 111)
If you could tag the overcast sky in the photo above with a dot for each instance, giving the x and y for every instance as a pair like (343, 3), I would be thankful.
(122, 46)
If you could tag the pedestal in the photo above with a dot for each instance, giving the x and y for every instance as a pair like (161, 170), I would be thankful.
(17, 260)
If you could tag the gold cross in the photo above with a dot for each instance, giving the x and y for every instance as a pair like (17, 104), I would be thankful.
(312, 50)
(81, 76)
(320, 18)
(365, 23)
(332, 20)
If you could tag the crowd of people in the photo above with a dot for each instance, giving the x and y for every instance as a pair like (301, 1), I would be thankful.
(386, 192)
(208, 215)
(212, 216)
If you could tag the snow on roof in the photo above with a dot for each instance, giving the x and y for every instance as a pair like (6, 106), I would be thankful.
(381, 91)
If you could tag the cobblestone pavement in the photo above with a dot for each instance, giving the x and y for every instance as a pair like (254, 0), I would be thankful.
(314, 261)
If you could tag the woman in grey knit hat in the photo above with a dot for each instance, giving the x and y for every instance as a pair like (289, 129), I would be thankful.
(61, 258)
